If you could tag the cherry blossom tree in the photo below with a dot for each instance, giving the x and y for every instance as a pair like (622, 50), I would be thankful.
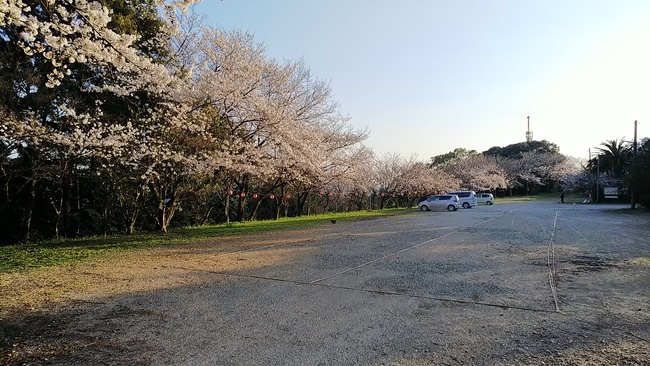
(396, 176)
(539, 169)
(82, 74)
(267, 121)
(477, 172)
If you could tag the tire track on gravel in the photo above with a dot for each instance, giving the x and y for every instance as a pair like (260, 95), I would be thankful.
(550, 262)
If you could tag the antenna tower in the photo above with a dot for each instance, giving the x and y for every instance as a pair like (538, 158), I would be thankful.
(529, 133)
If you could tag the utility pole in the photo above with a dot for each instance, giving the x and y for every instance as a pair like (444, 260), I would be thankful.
(634, 151)
(597, 178)
(597, 175)
(589, 161)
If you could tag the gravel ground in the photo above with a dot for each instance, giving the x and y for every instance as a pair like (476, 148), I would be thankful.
(508, 284)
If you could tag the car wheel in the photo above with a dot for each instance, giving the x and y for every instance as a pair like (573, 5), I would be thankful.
(424, 208)
(451, 208)
(489, 202)
(466, 205)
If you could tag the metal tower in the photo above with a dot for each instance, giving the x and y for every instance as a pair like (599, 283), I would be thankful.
(529, 133)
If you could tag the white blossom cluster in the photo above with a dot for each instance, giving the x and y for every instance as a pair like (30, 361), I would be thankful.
(222, 107)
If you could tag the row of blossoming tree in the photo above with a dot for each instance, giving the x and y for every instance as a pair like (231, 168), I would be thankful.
(126, 116)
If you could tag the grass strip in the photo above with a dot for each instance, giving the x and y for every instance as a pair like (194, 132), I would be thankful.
(530, 198)
(23, 257)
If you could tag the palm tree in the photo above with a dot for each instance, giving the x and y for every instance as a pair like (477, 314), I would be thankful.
(614, 156)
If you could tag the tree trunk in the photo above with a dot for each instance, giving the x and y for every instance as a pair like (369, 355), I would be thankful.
(168, 214)
(29, 212)
(105, 220)
(280, 204)
(57, 210)
(327, 203)
(206, 217)
(66, 199)
(286, 208)
(134, 214)
(257, 206)
(360, 202)
(527, 189)
(241, 203)
(227, 208)
(300, 203)
(132, 222)
(167, 206)
(78, 208)
(163, 217)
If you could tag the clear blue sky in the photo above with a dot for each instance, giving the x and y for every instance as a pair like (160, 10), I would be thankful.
(428, 76)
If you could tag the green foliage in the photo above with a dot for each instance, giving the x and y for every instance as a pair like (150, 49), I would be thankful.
(137, 17)
(457, 153)
(59, 252)
(516, 150)
(614, 157)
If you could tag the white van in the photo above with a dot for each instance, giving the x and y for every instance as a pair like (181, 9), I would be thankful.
(467, 198)
(487, 198)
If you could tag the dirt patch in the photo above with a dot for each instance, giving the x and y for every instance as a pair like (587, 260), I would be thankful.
(590, 263)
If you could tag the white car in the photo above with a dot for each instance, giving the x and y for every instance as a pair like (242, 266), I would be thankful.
(449, 202)
(467, 198)
(486, 198)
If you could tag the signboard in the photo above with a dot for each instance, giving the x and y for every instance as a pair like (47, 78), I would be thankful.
(610, 192)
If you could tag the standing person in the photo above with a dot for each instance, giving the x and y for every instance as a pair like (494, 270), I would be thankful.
(562, 198)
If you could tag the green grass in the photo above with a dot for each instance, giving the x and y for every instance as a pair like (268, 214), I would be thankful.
(545, 197)
(532, 198)
(59, 252)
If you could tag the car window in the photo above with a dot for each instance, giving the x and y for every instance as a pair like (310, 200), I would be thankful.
(445, 198)
(463, 194)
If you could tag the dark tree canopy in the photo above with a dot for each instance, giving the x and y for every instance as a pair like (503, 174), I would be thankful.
(457, 153)
(614, 157)
(138, 17)
(515, 150)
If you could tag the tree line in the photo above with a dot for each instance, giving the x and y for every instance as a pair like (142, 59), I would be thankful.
(617, 164)
(120, 117)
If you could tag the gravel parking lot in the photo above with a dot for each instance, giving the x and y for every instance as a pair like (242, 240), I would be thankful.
(508, 284)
